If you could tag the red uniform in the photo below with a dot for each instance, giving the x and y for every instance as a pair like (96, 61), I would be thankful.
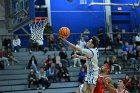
(116, 91)
(100, 86)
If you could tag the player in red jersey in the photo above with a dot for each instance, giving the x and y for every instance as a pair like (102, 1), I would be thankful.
(104, 82)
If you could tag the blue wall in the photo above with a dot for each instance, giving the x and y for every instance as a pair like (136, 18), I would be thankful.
(127, 15)
(77, 17)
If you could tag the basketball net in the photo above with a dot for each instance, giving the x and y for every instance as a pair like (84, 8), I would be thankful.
(37, 27)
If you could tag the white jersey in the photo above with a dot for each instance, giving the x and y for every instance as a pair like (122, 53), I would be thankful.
(92, 65)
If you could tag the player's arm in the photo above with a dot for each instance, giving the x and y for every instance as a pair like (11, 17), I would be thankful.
(109, 84)
(72, 45)
(78, 56)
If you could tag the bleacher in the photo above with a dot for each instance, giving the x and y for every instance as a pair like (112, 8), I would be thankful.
(14, 78)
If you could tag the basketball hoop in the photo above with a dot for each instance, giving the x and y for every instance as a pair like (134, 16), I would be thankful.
(37, 27)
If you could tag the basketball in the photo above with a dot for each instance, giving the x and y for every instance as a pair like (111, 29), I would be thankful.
(64, 32)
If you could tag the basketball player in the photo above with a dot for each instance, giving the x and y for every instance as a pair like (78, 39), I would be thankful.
(91, 55)
(120, 87)
(104, 82)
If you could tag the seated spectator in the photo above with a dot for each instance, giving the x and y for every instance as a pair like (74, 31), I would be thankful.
(137, 40)
(131, 56)
(56, 59)
(4, 59)
(32, 80)
(134, 48)
(51, 73)
(64, 57)
(119, 41)
(86, 34)
(59, 43)
(16, 43)
(11, 58)
(135, 84)
(127, 82)
(32, 64)
(75, 59)
(43, 80)
(82, 42)
(100, 33)
(138, 53)
(82, 75)
(115, 67)
(7, 43)
(125, 49)
(33, 46)
(107, 60)
(40, 45)
(47, 62)
(51, 43)
(63, 73)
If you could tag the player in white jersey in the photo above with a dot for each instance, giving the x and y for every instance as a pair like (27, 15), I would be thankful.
(91, 55)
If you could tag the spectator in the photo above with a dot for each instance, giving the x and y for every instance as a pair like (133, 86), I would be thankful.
(125, 49)
(119, 41)
(11, 58)
(32, 80)
(75, 60)
(107, 60)
(82, 75)
(82, 42)
(16, 44)
(40, 45)
(127, 82)
(48, 29)
(51, 73)
(59, 43)
(86, 34)
(138, 53)
(134, 48)
(131, 56)
(135, 84)
(64, 57)
(7, 43)
(51, 43)
(4, 59)
(63, 73)
(115, 32)
(47, 62)
(56, 59)
(32, 64)
(43, 80)
(137, 40)
(115, 67)
(32, 45)
(101, 36)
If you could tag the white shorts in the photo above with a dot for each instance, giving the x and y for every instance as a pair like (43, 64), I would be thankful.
(92, 78)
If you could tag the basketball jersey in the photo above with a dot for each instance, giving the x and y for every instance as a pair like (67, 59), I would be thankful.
(92, 65)
(100, 86)
(116, 91)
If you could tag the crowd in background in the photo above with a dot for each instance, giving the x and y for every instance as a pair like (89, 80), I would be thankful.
(54, 69)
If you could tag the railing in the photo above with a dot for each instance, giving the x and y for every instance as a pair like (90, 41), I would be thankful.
(74, 37)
